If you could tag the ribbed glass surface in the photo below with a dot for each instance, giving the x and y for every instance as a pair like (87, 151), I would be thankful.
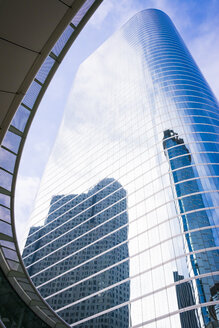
(125, 227)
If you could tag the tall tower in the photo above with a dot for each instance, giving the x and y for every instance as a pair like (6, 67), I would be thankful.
(142, 113)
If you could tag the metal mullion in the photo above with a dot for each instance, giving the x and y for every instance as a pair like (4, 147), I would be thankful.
(38, 82)
(53, 56)
(73, 26)
(28, 108)
(5, 206)
(15, 131)
(5, 191)
(11, 173)
(9, 150)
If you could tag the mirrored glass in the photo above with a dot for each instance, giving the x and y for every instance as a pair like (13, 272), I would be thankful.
(20, 118)
(5, 180)
(11, 141)
(7, 160)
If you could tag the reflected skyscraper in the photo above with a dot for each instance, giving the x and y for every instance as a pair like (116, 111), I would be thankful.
(63, 256)
(185, 298)
(141, 112)
(190, 205)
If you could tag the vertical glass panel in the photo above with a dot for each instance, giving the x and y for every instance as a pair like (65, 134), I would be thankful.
(10, 254)
(4, 200)
(5, 213)
(7, 160)
(5, 228)
(8, 244)
(11, 141)
(20, 118)
(32, 94)
(5, 180)
(45, 69)
(62, 40)
(82, 11)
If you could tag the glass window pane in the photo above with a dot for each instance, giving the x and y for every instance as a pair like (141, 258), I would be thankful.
(20, 118)
(11, 141)
(8, 244)
(5, 228)
(62, 40)
(80, 14)
(5, 214)
(45, 69)
(32, 94)
(4, 200)
(5, 180)
(10, 254)
(7, 160)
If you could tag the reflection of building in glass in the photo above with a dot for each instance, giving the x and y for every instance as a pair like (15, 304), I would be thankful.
(190, 205)
(185, 298)
(64, 261)
(214, 310)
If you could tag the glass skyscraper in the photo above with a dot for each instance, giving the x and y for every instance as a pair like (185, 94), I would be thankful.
(141, 117)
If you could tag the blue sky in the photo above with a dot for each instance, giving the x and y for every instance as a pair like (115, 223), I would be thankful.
(197, 22)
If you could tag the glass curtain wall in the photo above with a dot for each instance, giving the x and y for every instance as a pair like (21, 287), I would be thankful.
(125, 228)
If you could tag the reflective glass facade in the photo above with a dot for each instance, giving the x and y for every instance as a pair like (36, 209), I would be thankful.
(143, 118)
(100, 220)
